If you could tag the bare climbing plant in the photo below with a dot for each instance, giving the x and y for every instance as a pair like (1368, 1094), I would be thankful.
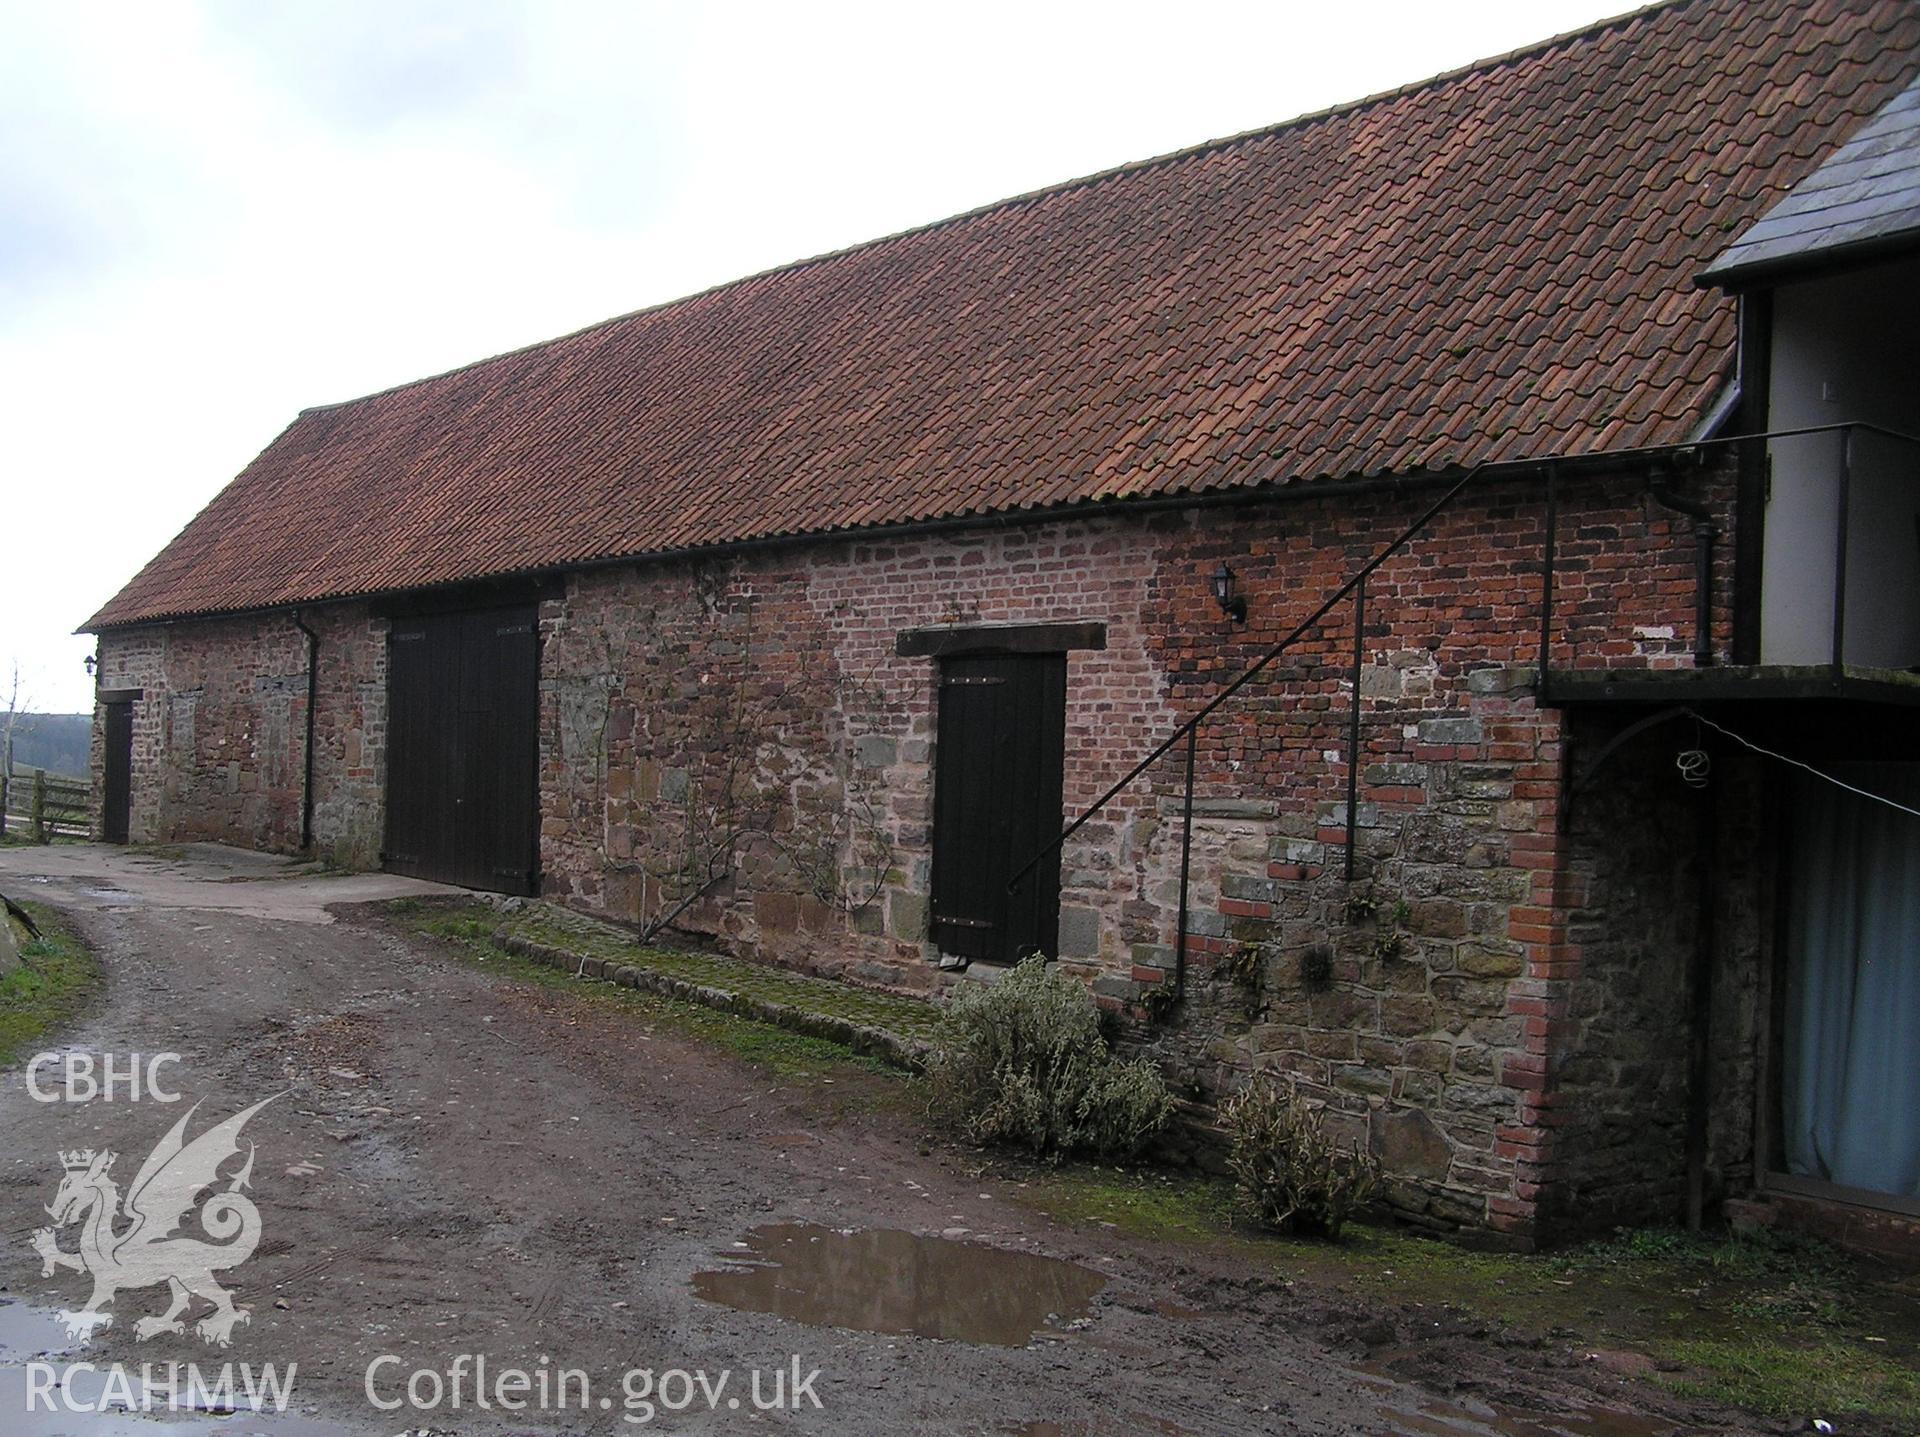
(836, 842)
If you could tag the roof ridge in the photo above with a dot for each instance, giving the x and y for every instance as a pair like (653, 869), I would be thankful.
(1026, 197)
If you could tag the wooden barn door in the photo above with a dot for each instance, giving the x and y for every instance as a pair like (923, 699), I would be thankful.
(997, 788)
(116, 781)
(462, 749)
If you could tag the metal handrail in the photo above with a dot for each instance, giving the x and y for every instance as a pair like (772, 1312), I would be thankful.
(1355, 586)
(1189, 729)
(1545, 462)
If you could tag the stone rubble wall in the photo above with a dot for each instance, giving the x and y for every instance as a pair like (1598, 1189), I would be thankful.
(1449, 968)
(734, 742)
(1621, 1070)
(219, 732)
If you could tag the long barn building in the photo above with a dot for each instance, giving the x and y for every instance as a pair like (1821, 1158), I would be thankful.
(1531, 441)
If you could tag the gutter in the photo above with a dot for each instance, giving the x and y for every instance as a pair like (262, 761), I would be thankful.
(313, 687)
(1725, 409)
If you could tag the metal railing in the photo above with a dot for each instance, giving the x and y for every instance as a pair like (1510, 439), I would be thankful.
(1356, 586)
(1707, 531)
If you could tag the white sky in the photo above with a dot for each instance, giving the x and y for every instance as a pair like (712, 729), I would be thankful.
(213, 215)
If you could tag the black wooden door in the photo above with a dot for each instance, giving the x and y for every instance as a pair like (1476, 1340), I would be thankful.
(116, 781)
(1001, 736)
(462, 749)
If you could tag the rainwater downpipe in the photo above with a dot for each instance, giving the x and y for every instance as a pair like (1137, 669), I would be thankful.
(313, 690)
(1706, 530)
(1706, 533)
(1700, 1014)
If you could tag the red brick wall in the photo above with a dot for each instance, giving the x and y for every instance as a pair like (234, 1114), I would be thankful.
(1452, 971)
(747, 721)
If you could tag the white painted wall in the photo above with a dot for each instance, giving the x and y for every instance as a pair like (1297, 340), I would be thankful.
(1845, 348)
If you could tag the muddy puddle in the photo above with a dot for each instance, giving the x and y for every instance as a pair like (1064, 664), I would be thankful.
(31, 1335)
(1401, 1410)
(900, 1283)
(1410, 1412)
(1127, 1424)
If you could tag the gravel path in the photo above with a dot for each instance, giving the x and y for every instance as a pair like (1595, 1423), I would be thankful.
(467, 1166)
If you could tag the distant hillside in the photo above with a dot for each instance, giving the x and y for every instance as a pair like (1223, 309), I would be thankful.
(55, 742)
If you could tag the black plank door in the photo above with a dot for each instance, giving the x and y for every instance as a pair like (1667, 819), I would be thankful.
(116, 782)
(462, 750)
(1001, 738)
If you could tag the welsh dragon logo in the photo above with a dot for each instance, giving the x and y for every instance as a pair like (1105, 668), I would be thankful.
(142, 1247)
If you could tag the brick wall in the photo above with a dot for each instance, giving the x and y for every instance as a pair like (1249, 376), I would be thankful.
(219, 732)
(1421, 1003)
(1449, 962)
(736, 745)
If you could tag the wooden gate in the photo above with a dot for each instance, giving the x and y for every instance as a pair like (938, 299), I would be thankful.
(462, 748)
(997, 788)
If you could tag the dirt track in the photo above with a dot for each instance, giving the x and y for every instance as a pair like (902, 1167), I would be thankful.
(464, 1166)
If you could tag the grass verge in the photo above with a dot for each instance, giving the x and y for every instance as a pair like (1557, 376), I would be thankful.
(56, 978)
(907, 1018)
(470, 931)
(1788, 1326)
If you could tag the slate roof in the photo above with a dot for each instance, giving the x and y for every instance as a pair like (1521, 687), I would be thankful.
(1863, 200)
(1491, 265)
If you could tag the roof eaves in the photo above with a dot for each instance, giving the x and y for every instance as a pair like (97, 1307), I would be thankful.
(1766, 271)
(1377, 476)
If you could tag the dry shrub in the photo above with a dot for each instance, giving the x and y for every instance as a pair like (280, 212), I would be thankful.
(1023, 1062)
(1289, 1174)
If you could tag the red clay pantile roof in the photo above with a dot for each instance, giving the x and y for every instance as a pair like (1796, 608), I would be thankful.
(1492, 265)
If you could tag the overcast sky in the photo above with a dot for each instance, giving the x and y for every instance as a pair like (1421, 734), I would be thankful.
(213, 215)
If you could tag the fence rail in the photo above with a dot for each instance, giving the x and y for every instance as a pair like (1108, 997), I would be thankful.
(41, 806)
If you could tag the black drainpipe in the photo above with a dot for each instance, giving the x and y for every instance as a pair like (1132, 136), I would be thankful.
(1706, 532)
(1700, 1015)
(313, 688)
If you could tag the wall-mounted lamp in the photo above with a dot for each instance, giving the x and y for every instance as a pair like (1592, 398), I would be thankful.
(91, 663)
(1226, 593)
